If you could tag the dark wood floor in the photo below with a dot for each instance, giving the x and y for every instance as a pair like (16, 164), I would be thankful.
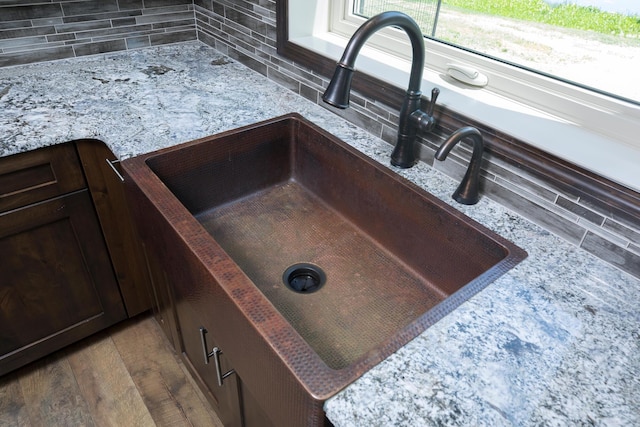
(125, 376)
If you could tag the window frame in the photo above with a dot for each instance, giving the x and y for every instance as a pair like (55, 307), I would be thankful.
(588, 128)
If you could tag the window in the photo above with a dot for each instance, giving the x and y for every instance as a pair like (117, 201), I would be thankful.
(589, 127)
(592, 43)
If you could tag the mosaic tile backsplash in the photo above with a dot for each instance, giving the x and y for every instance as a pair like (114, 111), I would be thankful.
(44, 31)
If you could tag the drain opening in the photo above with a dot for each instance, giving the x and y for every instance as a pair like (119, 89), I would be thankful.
(304, 278)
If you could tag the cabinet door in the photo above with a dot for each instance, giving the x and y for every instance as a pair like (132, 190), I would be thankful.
(198, 344)
(162, 298)
(57, 284)
(253, 414)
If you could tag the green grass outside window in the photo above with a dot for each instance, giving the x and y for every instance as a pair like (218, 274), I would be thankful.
(562, 15)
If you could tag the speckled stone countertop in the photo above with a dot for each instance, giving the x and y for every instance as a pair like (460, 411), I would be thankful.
(556, 341)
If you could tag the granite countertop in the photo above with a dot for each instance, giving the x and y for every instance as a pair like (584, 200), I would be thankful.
(556, 341)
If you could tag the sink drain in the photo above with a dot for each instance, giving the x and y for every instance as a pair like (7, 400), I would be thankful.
(304, 278)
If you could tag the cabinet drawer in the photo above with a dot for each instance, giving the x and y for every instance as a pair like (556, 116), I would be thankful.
(38, 175)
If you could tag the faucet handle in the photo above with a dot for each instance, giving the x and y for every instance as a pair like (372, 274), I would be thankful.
(432, 102)
(424, 119)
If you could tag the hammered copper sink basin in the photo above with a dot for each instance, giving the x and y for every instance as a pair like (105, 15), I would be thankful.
(375, 259)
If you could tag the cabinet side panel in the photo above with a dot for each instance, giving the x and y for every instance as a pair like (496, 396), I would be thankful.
(120, 233)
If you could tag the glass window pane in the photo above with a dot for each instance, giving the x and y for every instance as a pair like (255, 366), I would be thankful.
(424, 12)
(593, 43)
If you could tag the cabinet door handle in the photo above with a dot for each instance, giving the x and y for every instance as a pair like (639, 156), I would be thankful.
(112, 165)
(215, 353)
(203, 340)
(216, 358)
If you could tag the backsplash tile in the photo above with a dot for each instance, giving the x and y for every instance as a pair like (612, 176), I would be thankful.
(535, 210)
(34, 31)
(613, 254)
(14, 11)
(39, 55)
(580, 211)
(89, 7)
(632, 235)
(99, 47)
(246, 31)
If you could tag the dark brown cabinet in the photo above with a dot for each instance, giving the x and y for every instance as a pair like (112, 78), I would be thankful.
(57, 283)
(121, 236)
(211, 368)
(209, 365)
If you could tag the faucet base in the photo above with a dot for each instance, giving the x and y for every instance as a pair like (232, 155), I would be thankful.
(403, 155)
(472, 200)
(403, 165)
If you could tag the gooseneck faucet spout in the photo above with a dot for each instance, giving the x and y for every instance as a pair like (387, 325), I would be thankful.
(467, 192)
(411, 117)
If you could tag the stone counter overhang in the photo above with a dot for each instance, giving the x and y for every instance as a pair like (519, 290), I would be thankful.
(556, 341)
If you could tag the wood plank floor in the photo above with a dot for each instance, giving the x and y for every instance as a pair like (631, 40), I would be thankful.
(125, 376)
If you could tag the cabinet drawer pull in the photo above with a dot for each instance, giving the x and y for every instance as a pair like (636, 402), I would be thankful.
(216, 358)
(215, 353)
(205, 352)
(112, 165)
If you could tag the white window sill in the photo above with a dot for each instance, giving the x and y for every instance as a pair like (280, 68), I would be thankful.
(605, 156)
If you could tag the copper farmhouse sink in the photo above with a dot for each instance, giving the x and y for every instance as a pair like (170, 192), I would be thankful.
(331, 259)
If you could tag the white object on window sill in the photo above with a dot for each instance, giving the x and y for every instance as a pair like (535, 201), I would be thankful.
(467, 75)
